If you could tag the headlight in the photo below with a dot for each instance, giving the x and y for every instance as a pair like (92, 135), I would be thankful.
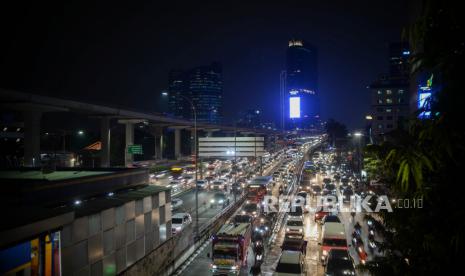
(287, 229)
(214, 266)
(300, 230)
(325, 252)
(212, 201)
(262, 220)
(243, 212)
(234, 267)
(254, 212)
(221, 201)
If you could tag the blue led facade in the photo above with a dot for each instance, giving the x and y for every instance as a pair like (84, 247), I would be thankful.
(301, 99)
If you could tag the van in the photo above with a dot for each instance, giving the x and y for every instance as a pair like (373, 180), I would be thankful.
(333, 236)
(290, 263)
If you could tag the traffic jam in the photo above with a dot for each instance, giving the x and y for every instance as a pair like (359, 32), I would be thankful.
(287, 224)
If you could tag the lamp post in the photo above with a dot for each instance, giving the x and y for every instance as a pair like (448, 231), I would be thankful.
(194, 111)
(358, 137)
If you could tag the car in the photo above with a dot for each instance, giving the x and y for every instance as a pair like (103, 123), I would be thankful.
(219, 199)
(339, 262)
(295, 212)
(316, 189)
(330, 218)
(176, 203)
(242, 219)
(202, 184)
(294, 244)
(236, 188)
(290, 263)
(174, 184)
(180, 221)
(251, 209)
(320, 213)
(294, 225)
(217, 185)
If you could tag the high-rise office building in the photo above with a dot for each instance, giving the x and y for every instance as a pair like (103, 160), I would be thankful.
(390, 95)
(203, 86)
(301, 101)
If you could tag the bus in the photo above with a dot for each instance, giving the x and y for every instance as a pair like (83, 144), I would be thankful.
(229, 248)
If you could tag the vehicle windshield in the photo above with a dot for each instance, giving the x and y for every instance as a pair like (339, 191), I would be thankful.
(296, 212)
(176, 220)
(219, 196)
(335, 242)
(225, 253)
(294, 223)
(250, 207)
(240, 219)
(288, 268)
(332, 219)
(330, 187)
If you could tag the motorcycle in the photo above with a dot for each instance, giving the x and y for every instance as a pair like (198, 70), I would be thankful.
(357, 243)
(372, 244)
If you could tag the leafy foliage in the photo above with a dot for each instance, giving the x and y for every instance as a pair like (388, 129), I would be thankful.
(425, 161)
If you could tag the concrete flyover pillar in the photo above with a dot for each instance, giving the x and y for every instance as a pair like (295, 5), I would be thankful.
(177, 143)
(129, 138)
(129, 158)
(157, 132)
(32, 138)
(105, 140)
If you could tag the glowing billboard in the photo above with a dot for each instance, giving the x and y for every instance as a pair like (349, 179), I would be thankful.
(294, 107)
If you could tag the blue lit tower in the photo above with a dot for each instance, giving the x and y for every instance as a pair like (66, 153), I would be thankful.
(302, 102)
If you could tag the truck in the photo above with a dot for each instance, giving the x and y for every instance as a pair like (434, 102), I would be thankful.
(332, 237)
(258, 188)
(229, 248)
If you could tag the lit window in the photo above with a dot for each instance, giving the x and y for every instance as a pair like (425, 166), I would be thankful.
(389, 100)
(388, 110)
(380, 92)
(388, 92)
(380, 101)
(400, 92)
(380, 126)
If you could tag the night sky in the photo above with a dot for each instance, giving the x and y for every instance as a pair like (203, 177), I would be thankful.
(121, 55)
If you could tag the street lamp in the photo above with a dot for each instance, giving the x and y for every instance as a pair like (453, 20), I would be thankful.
(358, 135)
(194, 111)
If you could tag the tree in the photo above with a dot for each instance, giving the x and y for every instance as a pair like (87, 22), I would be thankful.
(425, 161)
(336, 131)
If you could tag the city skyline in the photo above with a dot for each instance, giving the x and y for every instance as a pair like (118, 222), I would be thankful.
(132, 62)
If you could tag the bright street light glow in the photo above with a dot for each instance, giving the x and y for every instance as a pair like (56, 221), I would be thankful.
(358, 134)
(81, 132)
(164, 93)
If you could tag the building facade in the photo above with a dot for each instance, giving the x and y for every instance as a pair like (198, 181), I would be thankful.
(203, 86)
(301, 88)
(390, 95)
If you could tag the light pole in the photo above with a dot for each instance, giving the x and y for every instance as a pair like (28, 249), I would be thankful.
(358, 137)
(194, 111)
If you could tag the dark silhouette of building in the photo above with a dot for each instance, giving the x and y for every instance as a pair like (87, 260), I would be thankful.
(203, 86)
(390, 97)
(250, 118)
(301, 97)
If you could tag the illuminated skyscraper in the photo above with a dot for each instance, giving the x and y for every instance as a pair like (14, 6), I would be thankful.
(202, 85)
(301, 98)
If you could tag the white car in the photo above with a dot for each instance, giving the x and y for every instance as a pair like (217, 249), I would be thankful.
(174, 184)
(202, 184)
(294, 225)
(179, 221)
(217, 185)
(176, 203)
